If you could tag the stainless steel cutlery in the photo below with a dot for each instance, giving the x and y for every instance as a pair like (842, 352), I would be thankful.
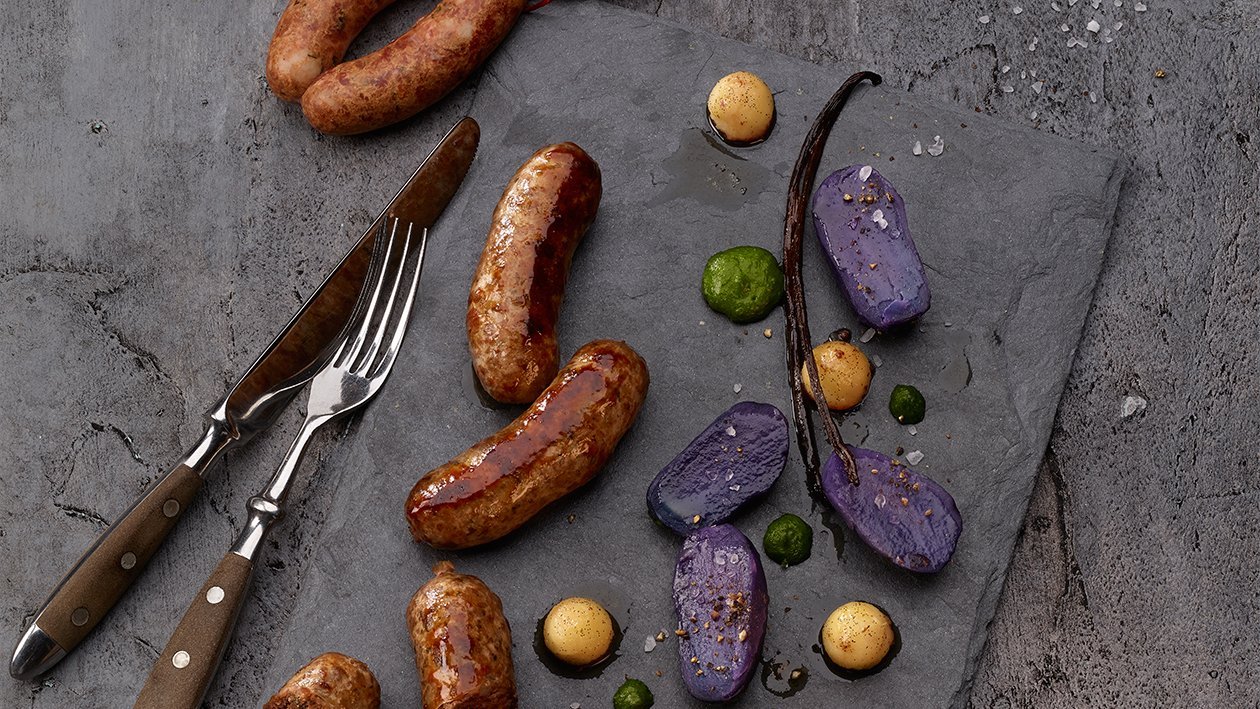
(343, 340)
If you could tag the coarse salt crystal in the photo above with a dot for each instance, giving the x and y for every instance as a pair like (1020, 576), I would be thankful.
(1033, 115)
(1065, 27)
(1017, 9)
(914, 457)
(1118, 25)
(876, 360)
(984, 19)
(913, 431)
(880, 500)
(649, 644)
(1074, 42)
(1006, 68)
(1140, 7)
(868, 335)
(1093, 26)
(864, 173)
(1093, 97)
(917, 149)
(1007, 88)
(738, 388)
(730, 430)
(1032, 46)
(937, 147)
(734, 488)
(1056, 7)
(1038, 86)
(1131, 405)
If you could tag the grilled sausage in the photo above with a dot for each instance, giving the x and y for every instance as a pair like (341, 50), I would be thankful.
(519, 284)
(330, 681)
(555, 447)
(414, 71)
(463, 643)
(312, 37)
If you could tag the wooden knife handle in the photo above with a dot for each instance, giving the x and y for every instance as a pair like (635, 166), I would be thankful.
(186, 667)
(109, 567)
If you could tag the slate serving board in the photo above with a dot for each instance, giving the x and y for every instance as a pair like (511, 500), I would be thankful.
(1012, 225)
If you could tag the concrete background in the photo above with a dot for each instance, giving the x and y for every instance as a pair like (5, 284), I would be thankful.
(1133, 583)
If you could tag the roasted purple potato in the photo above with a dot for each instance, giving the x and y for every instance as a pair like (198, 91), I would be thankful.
(861, 224)
(720, 596)
(729, 465)
(904, 515)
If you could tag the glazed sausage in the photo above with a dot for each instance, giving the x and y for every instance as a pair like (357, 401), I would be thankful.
(555, 447)
(312, 37)
(463, 643)
(330, 681)
(519, 284)
(414, 71)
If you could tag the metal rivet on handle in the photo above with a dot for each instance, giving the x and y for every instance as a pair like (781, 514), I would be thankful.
(170, 508)
(214, 595)
(80, 616)
(128, 561)
(180, 660)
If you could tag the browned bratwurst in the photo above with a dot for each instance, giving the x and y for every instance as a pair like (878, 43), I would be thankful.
(330, 681)
(414, 71)
(519, 285)
(463, 643)
(312, 37)
(552, 449)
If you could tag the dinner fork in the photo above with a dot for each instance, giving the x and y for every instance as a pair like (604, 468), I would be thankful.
(352, 376)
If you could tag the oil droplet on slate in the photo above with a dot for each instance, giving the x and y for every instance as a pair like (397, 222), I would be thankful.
(956, 374)
(781, 680)
(704, 170)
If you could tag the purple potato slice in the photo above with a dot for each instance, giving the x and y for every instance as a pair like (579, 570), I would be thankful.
(721, 600)
(861, 223)
(902, 514)
(729, 465)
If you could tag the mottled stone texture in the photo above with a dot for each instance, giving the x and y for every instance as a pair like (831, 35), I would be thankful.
(164, 215)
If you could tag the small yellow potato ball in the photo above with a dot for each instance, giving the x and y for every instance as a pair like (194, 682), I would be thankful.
(845, 374)
(857, 636)
(741, 108)
(578, 631)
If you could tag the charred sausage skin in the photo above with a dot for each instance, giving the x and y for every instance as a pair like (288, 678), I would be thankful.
(414, 71)
(463, 643)
(516, 293)
(330, 681)
(557, 445)
(312, 37)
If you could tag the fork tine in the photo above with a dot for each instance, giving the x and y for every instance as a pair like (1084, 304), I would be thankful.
(361, 336)
(381, 370)
(366, 358)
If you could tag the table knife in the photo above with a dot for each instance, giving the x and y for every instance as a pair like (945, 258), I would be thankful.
(112, 564)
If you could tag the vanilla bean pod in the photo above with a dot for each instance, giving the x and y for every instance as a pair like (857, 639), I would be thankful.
(798, 338)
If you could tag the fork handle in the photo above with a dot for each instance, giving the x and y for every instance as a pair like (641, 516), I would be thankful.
(109, 567)
(186, 667)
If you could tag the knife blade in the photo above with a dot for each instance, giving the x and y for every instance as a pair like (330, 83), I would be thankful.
(114, 561)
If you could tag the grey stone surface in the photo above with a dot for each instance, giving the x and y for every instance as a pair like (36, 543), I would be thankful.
(1009, 300)
(1132, 582)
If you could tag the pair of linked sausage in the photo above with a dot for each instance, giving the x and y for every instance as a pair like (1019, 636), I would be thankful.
(391, 84)
(557, 445)
(519, 284)
(463, 654)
